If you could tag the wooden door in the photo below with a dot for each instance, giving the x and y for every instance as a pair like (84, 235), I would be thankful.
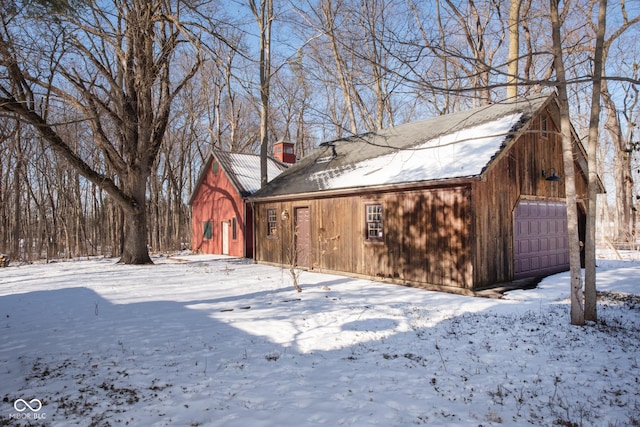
(303, 237)
(225, 238)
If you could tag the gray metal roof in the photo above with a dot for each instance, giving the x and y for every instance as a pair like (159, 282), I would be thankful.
(456, 145)
(242, 169)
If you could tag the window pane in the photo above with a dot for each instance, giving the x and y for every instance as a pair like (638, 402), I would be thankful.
(374, 222)
(272, 222)
(234, 228)
(207, 230)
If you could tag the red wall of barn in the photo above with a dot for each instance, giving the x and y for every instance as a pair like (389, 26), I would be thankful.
(218, 201)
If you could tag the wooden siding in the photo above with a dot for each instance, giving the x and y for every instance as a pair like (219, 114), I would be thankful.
(516, 175)
(218, 201)
(457, 237)
(426, 236)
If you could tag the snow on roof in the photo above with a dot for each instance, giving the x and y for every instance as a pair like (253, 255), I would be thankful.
(457, 145)
(459, 154)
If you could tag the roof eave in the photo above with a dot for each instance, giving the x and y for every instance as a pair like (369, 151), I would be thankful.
(385, 188)
(201, 177)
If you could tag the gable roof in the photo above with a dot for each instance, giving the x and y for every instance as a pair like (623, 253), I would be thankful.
(243, 170)
(458, 145)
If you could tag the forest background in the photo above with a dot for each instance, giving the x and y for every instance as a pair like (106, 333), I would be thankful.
(109, 108)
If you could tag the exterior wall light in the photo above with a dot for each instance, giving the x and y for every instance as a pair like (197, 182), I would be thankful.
(550, 175)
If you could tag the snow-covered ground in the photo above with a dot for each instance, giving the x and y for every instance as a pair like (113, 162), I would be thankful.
(214, 341)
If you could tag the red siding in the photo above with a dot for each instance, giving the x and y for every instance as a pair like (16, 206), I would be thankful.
(218, 201)
(284, 152)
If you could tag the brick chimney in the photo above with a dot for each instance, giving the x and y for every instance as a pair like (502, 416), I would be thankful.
(283, 151)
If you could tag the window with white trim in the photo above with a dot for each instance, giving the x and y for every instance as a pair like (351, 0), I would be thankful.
(373, 219)
(272, 222)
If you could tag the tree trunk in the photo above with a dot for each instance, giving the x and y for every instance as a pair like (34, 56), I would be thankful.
(329, 15)
(117, 71)
(623, 177)
(263, 15)
(514, 48)
(590, 292)
(577, 309)
(135, 248)
(16, 202)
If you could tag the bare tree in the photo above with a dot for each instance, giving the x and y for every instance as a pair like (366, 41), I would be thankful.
(292, 260)
(263, 15)
(464, 60)
(359, 65)
(623, 169)
(590, 293)
(441, 98)
(514, 48)
(577, 308)
(291, 104)
(475, 24)
(328, 16)
(113, 64)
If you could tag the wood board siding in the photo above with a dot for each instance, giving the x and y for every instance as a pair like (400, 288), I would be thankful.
(426, 236)
(456, 235)
(517, 175)
(218, 201)
(302, 237)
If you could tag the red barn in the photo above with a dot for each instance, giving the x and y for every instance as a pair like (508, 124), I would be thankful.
(222, 220)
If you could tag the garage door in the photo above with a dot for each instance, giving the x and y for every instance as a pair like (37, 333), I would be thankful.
(541, 238)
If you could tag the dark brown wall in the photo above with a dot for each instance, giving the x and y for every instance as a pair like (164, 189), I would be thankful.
(426, 236)
(453, 237)
(516, 175)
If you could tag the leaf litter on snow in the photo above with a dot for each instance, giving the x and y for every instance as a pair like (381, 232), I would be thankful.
(204, 340)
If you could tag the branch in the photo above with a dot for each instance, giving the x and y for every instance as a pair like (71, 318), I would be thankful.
(54, 140)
